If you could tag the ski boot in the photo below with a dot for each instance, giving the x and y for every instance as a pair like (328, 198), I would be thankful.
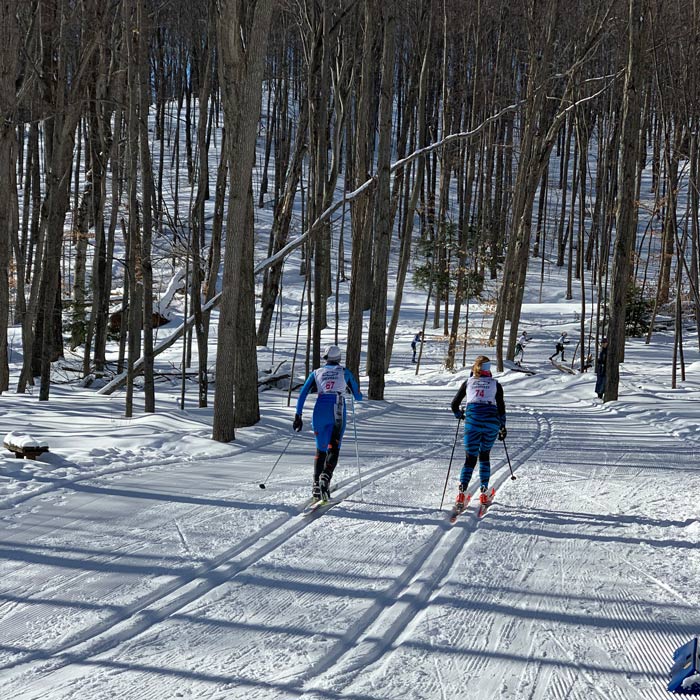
(486, 496)
(324, 484)
(461, 502)
(316, 492)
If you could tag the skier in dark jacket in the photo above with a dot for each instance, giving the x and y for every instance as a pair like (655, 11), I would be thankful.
(484, 421)
(418, 338)
(560, 347)
(329, 417)
(600, 369)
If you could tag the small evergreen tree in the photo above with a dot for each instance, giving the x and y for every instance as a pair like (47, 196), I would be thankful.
(637, 312)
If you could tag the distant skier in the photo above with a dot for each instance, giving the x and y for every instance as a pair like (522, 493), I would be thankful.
(329, 417)
(523, 340)
(560, 346)
(600, 368)
(418, 338)
(484, 421)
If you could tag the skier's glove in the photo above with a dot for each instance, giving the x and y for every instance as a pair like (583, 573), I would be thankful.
(298, 423)
(502, 433)
(459, 415)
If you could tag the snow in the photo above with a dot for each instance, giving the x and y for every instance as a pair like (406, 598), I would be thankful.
(691, 681)
(23, 441)
(140, 559)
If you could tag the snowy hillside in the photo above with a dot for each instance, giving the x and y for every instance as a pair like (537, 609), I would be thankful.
(140, 559)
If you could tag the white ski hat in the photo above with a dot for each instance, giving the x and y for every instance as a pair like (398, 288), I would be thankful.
(332, 353)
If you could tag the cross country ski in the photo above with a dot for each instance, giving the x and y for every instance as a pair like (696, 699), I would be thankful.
(485, 501)
(320, 505)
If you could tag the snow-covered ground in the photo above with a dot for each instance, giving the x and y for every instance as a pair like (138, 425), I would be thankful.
(142, 560)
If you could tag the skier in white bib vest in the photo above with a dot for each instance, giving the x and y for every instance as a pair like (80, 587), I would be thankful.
(329, 417)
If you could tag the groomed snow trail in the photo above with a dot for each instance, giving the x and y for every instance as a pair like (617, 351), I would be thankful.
(189, 581)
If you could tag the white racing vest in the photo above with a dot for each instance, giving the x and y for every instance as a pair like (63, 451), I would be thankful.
(481, 390)
(330, 379)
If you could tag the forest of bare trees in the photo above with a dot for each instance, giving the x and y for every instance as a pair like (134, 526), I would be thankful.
(467, 136)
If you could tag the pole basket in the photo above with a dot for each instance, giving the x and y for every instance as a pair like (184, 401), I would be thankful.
(685, 673)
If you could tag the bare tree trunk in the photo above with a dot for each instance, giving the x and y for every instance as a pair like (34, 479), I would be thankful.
(360, 276)
(199, 228)
(242, 29)
(376, 344)
(144, 98)
(626, 223)
(280, 228)
(134, 270)
(9, 49)
(409, 214)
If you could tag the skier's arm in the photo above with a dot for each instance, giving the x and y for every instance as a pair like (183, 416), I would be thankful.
(352, 383)
(458, 400)
(309, 384)
(500, 404)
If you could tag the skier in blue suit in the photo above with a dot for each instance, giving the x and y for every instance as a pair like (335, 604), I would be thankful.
(329, 417)
(484, 421)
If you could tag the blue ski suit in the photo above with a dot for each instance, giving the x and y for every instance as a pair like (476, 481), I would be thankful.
(330, 414)
(483, 419)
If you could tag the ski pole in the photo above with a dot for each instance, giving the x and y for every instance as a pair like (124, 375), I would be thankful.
(512, 476)
(357, 447)
(289, 442)
(447, 478)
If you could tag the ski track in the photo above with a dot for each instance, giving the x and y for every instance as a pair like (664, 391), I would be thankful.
(169, 598)
(436, 603)
(49, 485)
(116, 552)
(582, 675)
(378, 638)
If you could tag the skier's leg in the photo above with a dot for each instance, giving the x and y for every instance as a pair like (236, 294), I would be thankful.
(467, 471)
(472, 443)
(323, 435)
(464, 478)
(319, 463)
(484, 468)
(333, 451)
(488, 438)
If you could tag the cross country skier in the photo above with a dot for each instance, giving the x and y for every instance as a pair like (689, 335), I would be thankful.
(484, 421)
(418, 338)
(523, 340)
(328, 421)
(560, 346)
